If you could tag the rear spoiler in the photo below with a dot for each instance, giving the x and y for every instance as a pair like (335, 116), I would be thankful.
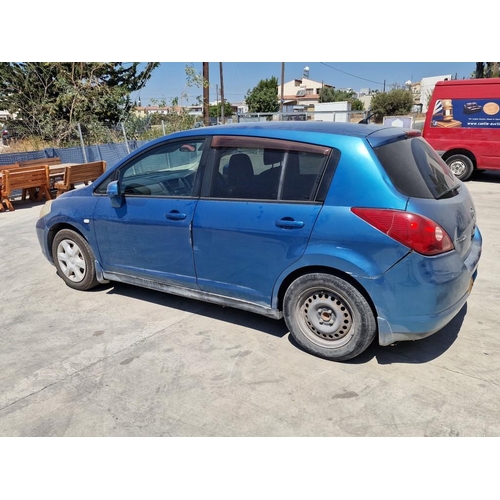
(391, 134)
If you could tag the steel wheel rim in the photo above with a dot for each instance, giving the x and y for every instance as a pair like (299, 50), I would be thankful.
(71, 261)
(458, 167)
(326, 318)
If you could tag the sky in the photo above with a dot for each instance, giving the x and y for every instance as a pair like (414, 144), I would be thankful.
(169, 79)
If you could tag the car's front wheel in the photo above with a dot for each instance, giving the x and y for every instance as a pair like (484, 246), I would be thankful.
(328, 317)
(74, 260)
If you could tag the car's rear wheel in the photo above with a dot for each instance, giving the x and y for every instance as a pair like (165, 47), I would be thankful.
(328, 317)
(74, 260)
(461, 166)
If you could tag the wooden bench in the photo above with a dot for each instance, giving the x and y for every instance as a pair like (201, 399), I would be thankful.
(79, 173)
(2, 168)
(27, 179)
(40, 161)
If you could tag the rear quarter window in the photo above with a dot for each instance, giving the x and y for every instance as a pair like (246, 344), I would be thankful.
(416, 170)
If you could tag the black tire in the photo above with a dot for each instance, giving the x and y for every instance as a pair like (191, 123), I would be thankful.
(328, 317)
(74, 260)
(461, 166)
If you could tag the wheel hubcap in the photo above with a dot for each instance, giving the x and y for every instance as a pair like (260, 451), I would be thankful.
(326, 315)
(457, 167)
(71, 261)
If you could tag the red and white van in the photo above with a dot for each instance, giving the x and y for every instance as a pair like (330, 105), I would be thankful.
(463, 124)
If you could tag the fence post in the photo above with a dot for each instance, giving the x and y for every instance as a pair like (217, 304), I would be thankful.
(125, 136)
(163, 126)
(82, 144)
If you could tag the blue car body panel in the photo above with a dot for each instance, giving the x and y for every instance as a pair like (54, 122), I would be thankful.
(241, 247)
(148, 237)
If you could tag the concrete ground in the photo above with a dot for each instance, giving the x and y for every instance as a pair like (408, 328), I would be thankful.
(124, 361)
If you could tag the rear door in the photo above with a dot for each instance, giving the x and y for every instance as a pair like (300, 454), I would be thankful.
(256, 213)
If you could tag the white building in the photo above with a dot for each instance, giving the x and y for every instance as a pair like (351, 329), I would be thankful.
(427, 87)
(301, 93)
(3, 116)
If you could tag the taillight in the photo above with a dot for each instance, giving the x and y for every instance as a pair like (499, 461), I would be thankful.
(414, 231)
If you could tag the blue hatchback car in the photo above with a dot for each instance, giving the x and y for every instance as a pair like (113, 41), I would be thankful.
(349, 232)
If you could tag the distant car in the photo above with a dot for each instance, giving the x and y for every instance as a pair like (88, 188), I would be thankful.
(349, 232)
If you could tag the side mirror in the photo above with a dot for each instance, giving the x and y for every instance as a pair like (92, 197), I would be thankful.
(113, 192)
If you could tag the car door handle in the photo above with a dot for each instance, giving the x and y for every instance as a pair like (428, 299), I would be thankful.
(289, 223)
(176, 215)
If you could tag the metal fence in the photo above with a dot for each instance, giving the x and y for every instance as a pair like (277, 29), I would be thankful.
(324, 116)
(110, 153)
(331, 116)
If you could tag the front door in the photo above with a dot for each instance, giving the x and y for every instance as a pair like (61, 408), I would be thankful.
(149, 235)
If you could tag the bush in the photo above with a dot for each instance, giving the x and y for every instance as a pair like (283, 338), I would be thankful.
(393, 103)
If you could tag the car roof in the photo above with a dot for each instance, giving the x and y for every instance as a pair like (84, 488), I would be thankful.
(351, 129)
(295, 130)
(310, 131)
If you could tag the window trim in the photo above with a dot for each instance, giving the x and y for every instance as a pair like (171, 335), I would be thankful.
(234, 141)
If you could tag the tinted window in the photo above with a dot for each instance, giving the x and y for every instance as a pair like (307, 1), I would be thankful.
(416, 170)
(267, 173)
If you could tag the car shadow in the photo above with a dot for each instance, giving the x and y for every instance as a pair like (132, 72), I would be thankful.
(486, 176)
(23, 204)
(199, 307)
(420, 351)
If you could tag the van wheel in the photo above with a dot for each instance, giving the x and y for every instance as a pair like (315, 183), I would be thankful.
(328, 317)
(461, 166)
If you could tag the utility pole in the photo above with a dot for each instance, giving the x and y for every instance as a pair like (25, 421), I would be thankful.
(206, 94)
(221, 94)
(282, 88)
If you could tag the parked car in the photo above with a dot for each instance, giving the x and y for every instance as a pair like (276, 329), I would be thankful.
(349, 232)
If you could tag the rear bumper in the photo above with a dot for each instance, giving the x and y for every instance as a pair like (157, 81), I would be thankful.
(421, 295)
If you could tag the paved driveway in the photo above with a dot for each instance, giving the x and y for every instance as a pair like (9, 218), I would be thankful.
(123, 361)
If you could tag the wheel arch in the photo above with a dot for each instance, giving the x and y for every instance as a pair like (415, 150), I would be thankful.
(58, 227)
(461, 151)
(325, 270)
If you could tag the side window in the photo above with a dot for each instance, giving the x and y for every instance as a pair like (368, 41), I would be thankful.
(269, 172)
(302, 175)
(169, 170)
(247, 173)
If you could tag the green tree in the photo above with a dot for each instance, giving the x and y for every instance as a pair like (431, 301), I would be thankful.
(393, 103)
(49, 99)
(487, 70)
(329, 94)
(264, 97)
(215, 111)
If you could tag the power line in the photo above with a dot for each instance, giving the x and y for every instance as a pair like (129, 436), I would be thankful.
(350, 74)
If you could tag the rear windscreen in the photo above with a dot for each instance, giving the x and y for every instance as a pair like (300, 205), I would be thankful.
(416, 170)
